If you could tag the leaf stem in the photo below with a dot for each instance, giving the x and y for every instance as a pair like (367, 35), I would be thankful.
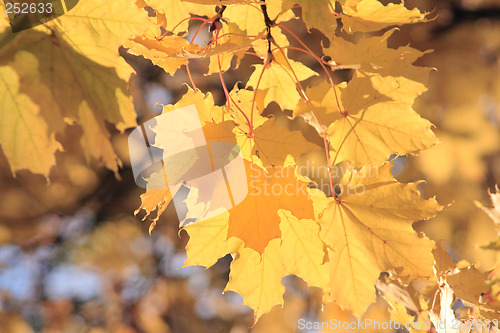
(195, 88)
(320, 61)
(315, 113)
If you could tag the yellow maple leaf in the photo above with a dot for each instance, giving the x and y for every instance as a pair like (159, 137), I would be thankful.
(273, 144)
(250, 269)
(208, 241)
(174, 13)
(214, 129)
(371, 15)
(235, 36)
(469, 284)
(248, 18)
(316, 14)
(374, 127)
(166, 52)
(155, 197)
(395, 75)
(368, 230)
(91, 29)
(255, 220)
(24, 135)
(277, 82)
(95, 139)
(207, 111)
(72, 64)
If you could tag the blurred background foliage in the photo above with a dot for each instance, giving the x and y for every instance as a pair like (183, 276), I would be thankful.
(73, 258)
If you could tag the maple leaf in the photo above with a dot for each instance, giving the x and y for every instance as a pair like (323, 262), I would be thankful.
(249, 269)
(204, 103)
(395, 77)
(71, 66)
(316, 14)
(172, 12)
(255, 219)
(235, 36)
(248, 18)
(469, 284)
(278, 83)
(166, 52)
(371, 15)
(373, 126)
(214, 129)
(368, 229)
(208, 241)
(155, 198)
(24, 135)
(273, 144)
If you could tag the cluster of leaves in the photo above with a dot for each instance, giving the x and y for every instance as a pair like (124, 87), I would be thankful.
(342, 242)
(68, 72)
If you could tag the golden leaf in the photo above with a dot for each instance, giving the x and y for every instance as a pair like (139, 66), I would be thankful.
(368, 230)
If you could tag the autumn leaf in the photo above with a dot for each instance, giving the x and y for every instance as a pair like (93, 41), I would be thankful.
(300, 252)
(204, 103)
(247, 17)
(368, 230)
(300, 241)
(374, 126)
(24, 135)
(316, 14)
(172, 13)
(273, 144)
(95, 140)
(167, 52)
(208, 241)
(469, 284)
(250, 269)
(235, 36)
(371, 15)
(155, 198)
(255, 220)
(68, 68)
(277, 82)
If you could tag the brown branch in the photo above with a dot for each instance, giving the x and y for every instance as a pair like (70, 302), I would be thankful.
(269, 24)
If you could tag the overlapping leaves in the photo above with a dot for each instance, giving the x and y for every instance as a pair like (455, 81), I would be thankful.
(340, 244)
(65, 72)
